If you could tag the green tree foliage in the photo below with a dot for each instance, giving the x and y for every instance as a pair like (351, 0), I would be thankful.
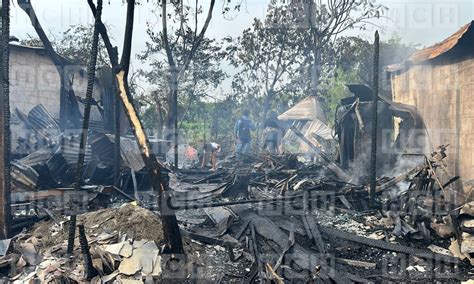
(180, 59)
(269, 58)
(324, 21)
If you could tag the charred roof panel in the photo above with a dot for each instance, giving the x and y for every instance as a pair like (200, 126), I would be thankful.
(435, 51)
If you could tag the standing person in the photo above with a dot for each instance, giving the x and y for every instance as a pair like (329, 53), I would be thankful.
(273, 133)
(242, 129)
(213, 149)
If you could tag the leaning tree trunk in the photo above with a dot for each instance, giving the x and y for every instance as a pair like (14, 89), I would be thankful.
(171, 234)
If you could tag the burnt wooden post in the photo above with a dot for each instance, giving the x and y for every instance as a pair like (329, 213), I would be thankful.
(113, 56)
(5, 185)
(375, 97)
(117, 157)
(85, 122)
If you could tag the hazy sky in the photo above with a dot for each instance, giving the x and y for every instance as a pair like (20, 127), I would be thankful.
(422, 22)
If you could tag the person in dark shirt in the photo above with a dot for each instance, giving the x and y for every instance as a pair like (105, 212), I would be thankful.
(273, 133)
(242, 130)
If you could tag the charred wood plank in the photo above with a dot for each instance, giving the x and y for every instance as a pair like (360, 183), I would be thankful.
(314, 232)
(427, 254)
(209, 240)
(301, 256)
(5, 147)
(85, 122)
(290, 244)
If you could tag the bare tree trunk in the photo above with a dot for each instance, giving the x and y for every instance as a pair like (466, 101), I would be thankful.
(177, 72)
(171, 232)
(159, 116)
(316, 68)
(266, 108)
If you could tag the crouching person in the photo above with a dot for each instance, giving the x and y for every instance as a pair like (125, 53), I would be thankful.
(210, 149)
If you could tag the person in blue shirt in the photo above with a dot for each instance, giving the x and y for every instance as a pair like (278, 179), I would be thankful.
(242, 132)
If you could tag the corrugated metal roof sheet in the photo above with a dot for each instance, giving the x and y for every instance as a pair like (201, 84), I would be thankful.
(307, 109)
(44, 124)
(131, 154)
(434, 51)
(439, 48)
(70, 145)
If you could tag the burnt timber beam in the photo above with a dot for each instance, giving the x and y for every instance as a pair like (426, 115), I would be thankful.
(5, 183)
(113, 57)
(85, 121)
(373, 144)
(422, 253)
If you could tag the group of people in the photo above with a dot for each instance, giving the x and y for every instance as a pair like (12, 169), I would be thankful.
(273, 131)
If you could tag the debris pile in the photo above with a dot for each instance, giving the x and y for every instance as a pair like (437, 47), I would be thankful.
(301, 221)
(123, 245)
(266, 218)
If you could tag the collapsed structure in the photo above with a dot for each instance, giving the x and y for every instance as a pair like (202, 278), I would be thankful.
(438, 81)
(270, 218)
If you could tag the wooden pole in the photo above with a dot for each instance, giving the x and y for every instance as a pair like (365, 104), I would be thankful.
(113, 56)
(5, 178)
(91, 68)
(375, 98)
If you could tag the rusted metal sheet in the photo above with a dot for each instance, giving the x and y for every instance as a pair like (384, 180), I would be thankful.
(432, 52)
(441, 47)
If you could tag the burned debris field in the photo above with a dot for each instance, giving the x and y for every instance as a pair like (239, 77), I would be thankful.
(236, 142)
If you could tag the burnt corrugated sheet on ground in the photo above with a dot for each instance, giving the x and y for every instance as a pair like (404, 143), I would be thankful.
(23, 177)
(59, 169)
(131, 154)
(39, 157)
(96, 122)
